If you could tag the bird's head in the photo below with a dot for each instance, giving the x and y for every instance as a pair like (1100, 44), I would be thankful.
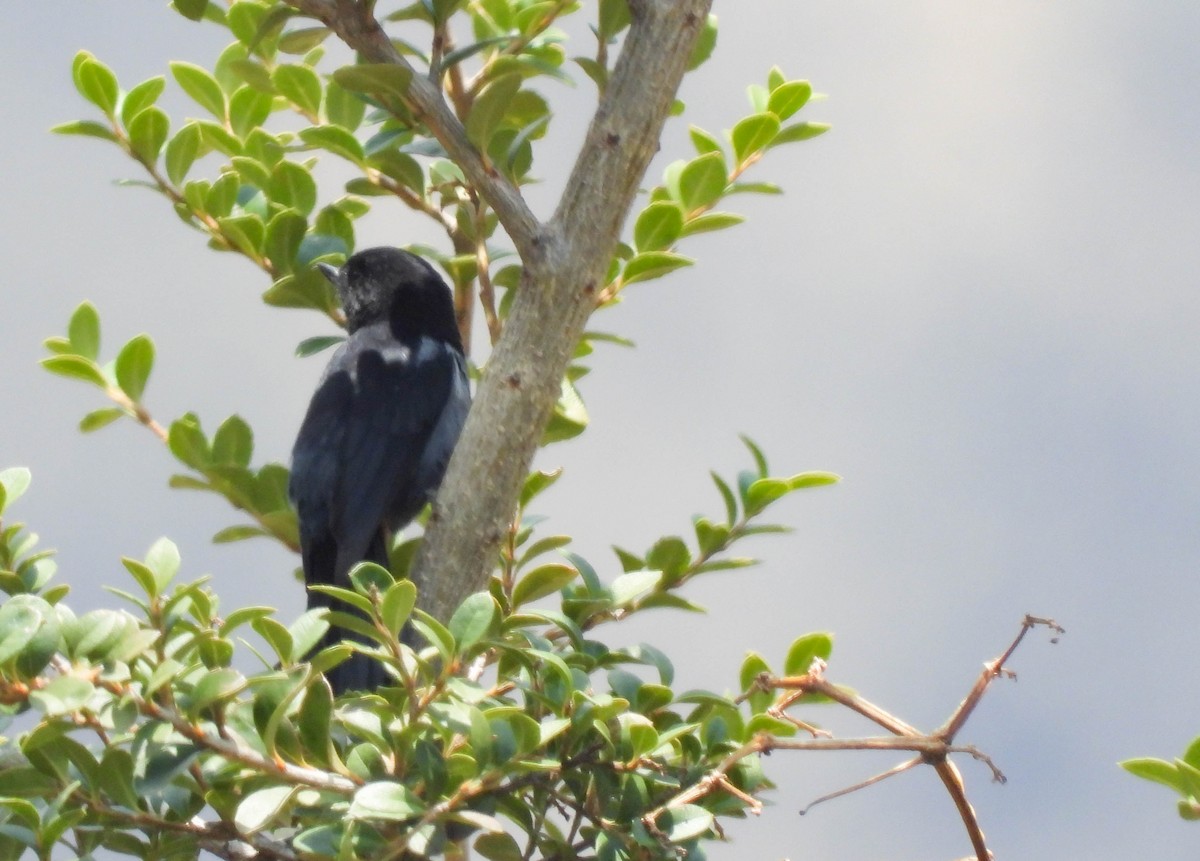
(389, 284)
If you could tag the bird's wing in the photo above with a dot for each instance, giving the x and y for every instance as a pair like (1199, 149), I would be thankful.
(399, 395)
(315, 465)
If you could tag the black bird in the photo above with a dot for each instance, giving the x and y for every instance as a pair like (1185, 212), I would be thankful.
(380, 428)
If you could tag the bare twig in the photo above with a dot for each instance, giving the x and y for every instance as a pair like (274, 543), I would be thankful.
(933, 749)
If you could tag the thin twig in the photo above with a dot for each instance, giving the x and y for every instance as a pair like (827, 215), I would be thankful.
(870, 781)
(487, 293)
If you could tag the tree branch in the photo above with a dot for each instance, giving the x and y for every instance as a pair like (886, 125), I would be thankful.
(356, 26)
(564, 270)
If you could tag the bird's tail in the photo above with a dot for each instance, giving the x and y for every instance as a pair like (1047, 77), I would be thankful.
(358, 672)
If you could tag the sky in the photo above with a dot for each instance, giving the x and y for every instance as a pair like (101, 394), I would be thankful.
(976, 301)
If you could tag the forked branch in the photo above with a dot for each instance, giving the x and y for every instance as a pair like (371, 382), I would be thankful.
(932, 749)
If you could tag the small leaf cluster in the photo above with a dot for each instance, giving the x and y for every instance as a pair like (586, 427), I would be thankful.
(123, 380)
(1181, 775)
(220, 464)
(262, 204)
(651, 579)
(509, 726)
(23, 569)
(685, 204)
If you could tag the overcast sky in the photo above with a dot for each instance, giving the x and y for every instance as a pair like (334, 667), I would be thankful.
(976, 301)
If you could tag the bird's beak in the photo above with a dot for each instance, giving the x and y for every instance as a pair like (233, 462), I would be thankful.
(332, 273)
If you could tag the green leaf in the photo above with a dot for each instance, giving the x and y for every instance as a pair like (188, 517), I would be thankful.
(542, 581)
(799, 132)
(83, 331)
(658, 226)
(76, 367)
(752, 667)
(36, 650)
(336, 140)
(85, 128)
(342, 107)
(653, 264)
(686, 822)
(758, 95)
(14, 481)
(163, 561)
(142, 96)
(201, 86)
(312, 346)
(313, 720)
(385, 800)
(222, 195)
(753, 134)
(1157, 771)
(704, 142)
(96, 82)
(760, 459)
(702, 181)
(788, 98)
(303, 40)
(241, 532)
(215, 685)
(292, 185)
(500, 847)
(246, 232)
(472, 620)
(537, 482)
(216, 137)
(182, 151)
(711, 221)
(614, 17)
(248, 109)
(377, 79)
(1192, 755)
(633, 585)
(705, 44)
(805, 650)
(242, 69)
(812, 479)
(570, 416)
(669, 555)
(755, 187)
(97, 419)
(18, 625)
(542, 546)
(285, 232)
(255, 174)
(63, 695)
(490, 106)
(233, 442)
(397, 604)
(133, 366)
(262, 807)
(191, 9)
(187, 442)
(147, 133)
(459, 54)
(300, 86)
